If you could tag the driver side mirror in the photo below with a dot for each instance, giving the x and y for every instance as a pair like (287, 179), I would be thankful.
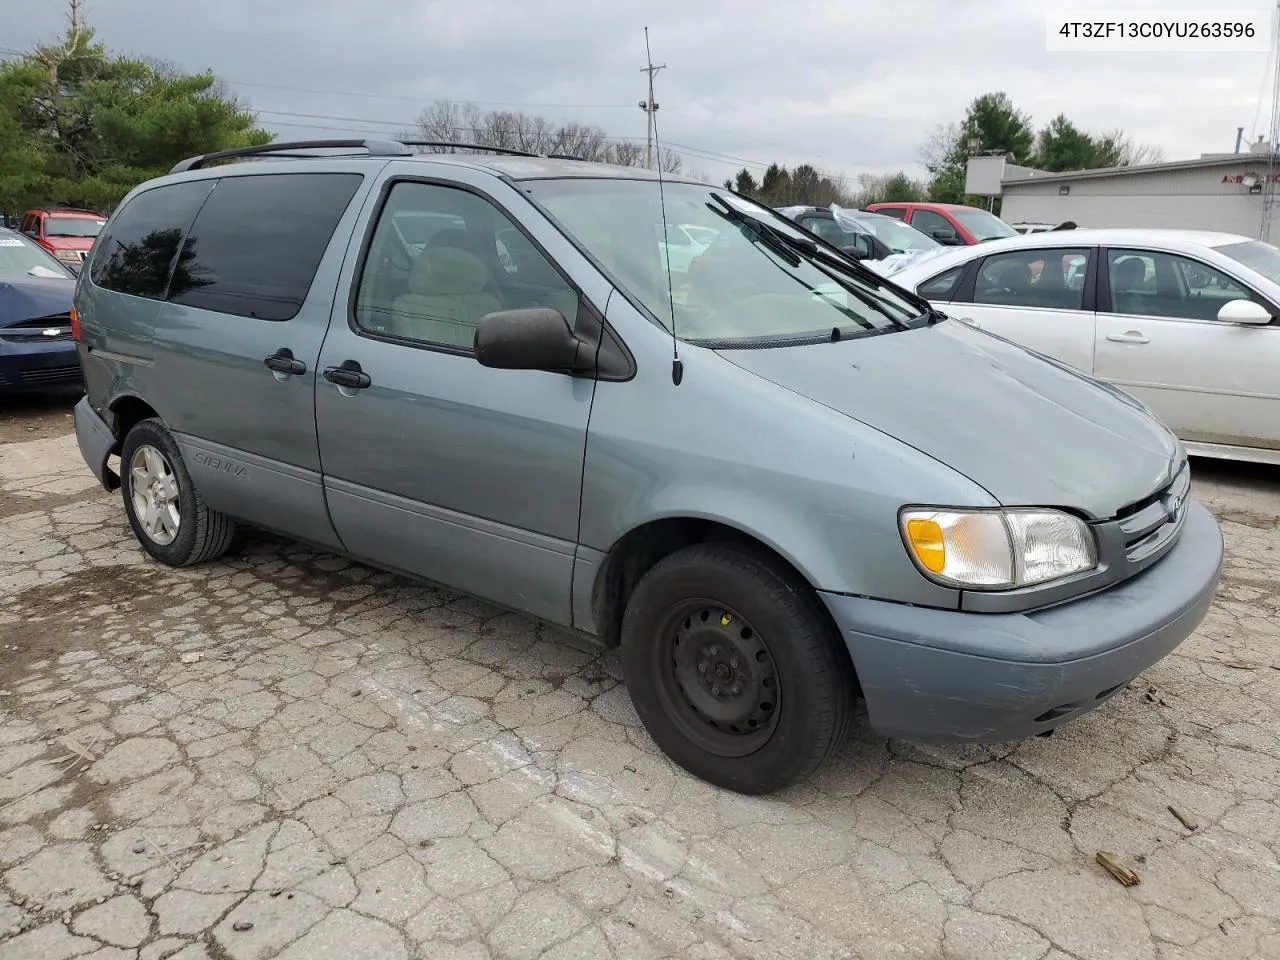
(536, 338)
(1244, 312)
(945, 235)
(852, 250)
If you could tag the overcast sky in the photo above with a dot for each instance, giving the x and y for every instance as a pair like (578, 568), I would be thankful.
(848, 85)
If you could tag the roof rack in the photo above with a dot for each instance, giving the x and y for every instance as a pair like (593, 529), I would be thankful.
(372, 148)
(470, 146)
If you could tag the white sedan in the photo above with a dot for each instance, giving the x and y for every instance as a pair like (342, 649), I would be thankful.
(1188, 322)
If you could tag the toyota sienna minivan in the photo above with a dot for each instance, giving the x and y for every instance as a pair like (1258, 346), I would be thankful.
(777, 481)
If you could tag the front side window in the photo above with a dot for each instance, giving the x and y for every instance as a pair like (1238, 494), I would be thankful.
(845, 238)
(1153, 284)
(933, 225)
(1051, 279)
(137, 252)
(744, 286)
(437, 292)
(897, 236)
(256, 244)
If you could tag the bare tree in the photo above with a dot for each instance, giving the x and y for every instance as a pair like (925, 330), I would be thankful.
(462, 123)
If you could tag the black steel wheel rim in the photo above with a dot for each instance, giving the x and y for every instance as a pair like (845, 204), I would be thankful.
(716, 678)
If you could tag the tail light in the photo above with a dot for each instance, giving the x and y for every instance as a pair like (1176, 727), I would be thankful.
(75, 324)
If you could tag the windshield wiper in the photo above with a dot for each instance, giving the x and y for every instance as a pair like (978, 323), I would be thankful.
(818, 255)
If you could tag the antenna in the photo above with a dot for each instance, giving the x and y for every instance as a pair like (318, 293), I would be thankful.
(677, 367)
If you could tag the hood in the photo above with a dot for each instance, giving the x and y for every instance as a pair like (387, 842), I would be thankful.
(1029, 430)
(31, 297)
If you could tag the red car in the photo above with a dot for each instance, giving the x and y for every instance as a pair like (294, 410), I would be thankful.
(67, 234)
(952, 224)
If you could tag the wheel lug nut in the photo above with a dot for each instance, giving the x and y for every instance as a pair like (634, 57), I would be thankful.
(715, 690)
(702, 667)
(736, 688)
(713, 651)
(733, 662)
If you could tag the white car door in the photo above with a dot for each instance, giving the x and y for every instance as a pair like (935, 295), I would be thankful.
(1039, 297)
(1159, 338)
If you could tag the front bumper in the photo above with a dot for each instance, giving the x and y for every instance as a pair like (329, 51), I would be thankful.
(39, 366)
(97, 443)
(946, 675)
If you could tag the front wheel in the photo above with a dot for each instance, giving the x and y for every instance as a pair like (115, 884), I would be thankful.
(733, 669)
(164, 508)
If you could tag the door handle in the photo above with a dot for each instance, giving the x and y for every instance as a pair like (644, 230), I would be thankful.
(1131, 336)
(348, 374)
(283, 361)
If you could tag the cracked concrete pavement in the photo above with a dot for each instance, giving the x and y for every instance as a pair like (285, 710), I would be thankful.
(286, 754)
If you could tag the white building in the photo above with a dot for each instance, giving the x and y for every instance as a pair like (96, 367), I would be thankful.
(1224, 192)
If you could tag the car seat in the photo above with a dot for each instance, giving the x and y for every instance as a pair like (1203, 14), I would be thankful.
(446, 298)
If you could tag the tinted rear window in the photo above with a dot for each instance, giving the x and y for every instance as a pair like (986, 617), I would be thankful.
(137, 251)
(257, 242)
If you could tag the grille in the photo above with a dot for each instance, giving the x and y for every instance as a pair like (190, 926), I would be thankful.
(1155, 523)
(50, 375)
(37, 330)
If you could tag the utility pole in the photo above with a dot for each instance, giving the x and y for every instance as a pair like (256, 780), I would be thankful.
(648, 106)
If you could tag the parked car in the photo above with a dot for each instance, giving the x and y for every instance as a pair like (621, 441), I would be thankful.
(951, 224)
(867, 236)
(37, 350)
(795, 485)
(1188, 322)
(67, 234)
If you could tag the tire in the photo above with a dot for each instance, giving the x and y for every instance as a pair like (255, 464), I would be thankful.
(734, 670)
(178, 530)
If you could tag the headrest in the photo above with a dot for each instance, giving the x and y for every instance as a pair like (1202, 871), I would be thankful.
(443, 271)
(1130, 273)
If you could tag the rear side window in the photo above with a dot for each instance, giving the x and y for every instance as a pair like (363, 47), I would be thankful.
(254, 249)
(137, 251)
(898, 213)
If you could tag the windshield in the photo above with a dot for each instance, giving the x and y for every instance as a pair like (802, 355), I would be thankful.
(983, 225)
(72, 227)
(1260, 257)
(894, 234)
(743, 286)
(19, 258)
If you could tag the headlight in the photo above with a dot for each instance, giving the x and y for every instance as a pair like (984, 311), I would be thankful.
(997, 549)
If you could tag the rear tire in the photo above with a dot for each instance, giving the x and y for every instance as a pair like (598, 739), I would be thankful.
(734, 670)
(164, 508)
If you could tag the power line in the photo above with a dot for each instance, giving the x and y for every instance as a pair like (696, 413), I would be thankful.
(423, 99)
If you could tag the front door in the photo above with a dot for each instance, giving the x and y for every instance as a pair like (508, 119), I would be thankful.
(1159, 338)
(1039, 297)
(464, 475)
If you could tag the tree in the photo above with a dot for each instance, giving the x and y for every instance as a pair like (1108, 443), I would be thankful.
(1061, 145)
(81, 127)
(873, 188)
(449, 122)
(745, 183)
(991, 125)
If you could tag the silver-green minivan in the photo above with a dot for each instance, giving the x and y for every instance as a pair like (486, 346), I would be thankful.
(778, 481)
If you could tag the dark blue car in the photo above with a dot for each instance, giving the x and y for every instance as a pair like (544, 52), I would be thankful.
(37, 347)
